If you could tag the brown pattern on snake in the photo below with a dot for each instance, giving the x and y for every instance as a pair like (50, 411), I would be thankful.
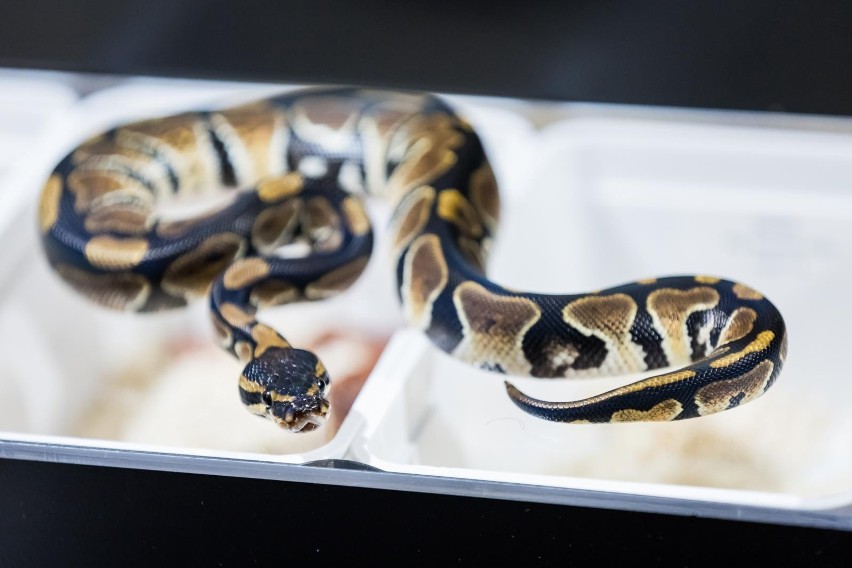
(610, 319)
(114, 253)
(185, 144)
(89, 187)
(321, 222)
(245, 272)
(236, 316)
(121, 291)
(273, 292)
(256, 126)
(744, 292)
(190, 275)
(333, 113)
(719, 395)
(337, 280)
(430, 155)
(493, 328)
(128, 217)
(670, 308)
(663, 411)
(474, 252)
(48, 204)
(485, 196)
(739, 325)
(276, 225)
(425, 275)
(412, 215)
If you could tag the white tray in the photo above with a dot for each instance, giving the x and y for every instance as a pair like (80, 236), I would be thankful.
(614, 200)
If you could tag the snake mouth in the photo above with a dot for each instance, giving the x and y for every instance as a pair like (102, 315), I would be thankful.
(304, 419)
(306, 423)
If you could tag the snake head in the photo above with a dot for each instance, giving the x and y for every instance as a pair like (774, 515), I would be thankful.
(287, 386)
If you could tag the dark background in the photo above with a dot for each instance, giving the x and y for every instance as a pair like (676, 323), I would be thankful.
(752, 55)
(758, 55)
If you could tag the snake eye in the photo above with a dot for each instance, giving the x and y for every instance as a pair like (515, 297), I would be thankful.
(267, 398)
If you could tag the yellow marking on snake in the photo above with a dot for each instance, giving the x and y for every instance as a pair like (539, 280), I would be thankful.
(48, 204)
(266, 337)
(320, 369)
(235, 316)
(251, 386)
(649, 383)
(277, 188)
(646, 281)
(670, 309)
(739, 325)
(609, 318)
(281, 397)
(245, 272)
(355, 216)
(703, 279)
(664, 411)
(493, 327)
(455, 209)
(743, 292)
(761, 342)
(718, 396)
(114, 253)
(258, 408)
(425, 275)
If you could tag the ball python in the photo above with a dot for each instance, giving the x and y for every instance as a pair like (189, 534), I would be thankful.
(299, 166)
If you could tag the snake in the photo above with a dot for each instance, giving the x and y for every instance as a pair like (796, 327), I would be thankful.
(286, 180)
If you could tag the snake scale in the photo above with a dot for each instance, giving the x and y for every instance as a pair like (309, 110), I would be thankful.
(303, 163)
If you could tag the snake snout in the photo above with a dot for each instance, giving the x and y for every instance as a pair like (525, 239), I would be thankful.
(302, 414)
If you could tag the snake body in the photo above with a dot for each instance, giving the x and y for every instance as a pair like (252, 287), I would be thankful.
(302, 163)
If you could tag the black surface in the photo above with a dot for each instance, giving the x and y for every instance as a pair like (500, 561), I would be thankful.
(78, 515)
(755, 55)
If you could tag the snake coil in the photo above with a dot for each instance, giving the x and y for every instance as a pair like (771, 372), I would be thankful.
(303, 162)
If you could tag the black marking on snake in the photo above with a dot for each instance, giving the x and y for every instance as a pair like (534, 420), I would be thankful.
(226, 167)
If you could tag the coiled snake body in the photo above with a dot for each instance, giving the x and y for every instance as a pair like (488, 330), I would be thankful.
(304, 160)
